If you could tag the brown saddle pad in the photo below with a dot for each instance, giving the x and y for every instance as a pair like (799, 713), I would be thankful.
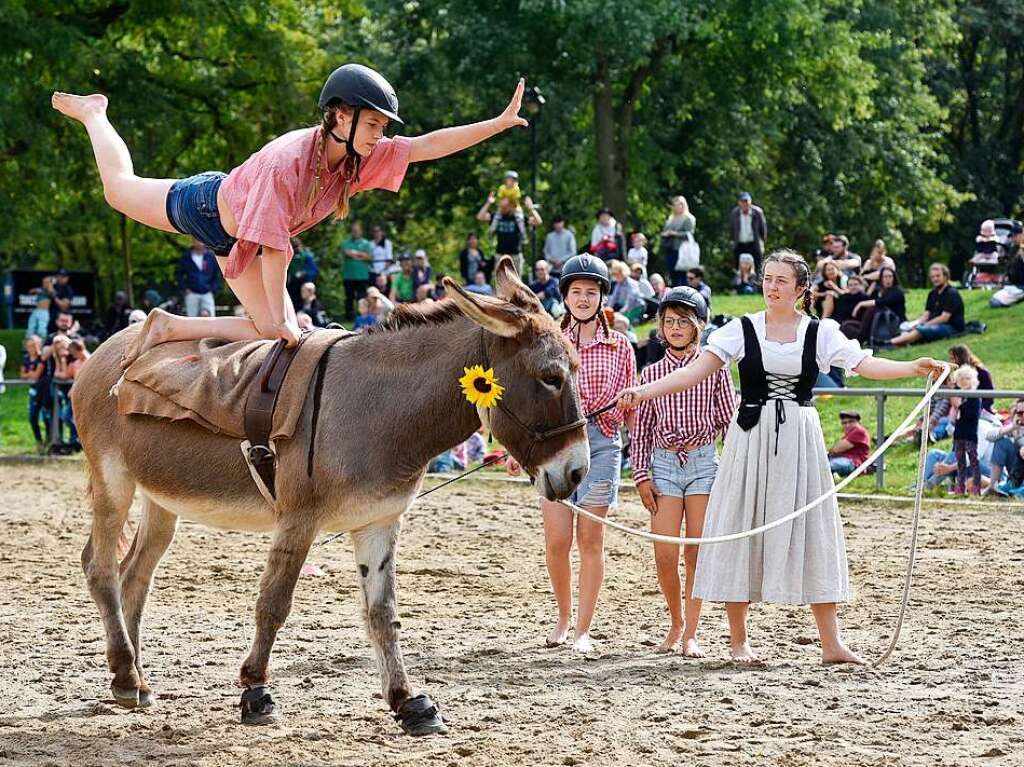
(208, 382)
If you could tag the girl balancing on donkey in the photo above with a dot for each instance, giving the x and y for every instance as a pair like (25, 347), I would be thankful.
(673, 455)
(248, 216)
(774, 460)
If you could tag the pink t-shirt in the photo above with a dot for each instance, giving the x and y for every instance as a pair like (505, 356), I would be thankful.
(267, 192)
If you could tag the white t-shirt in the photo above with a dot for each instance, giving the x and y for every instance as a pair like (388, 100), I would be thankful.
(599, 232)
(833, 349)
(637, 256)
(746, 227)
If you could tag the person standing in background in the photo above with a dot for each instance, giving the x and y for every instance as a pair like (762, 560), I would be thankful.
(358, 252)
(559, 245)
(748, 229)
(679, 225)
(198, 279)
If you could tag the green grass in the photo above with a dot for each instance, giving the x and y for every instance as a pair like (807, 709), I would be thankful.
(1001, 349)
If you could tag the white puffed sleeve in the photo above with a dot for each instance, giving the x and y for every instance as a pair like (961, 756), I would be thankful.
(835, 349)
(727, 342)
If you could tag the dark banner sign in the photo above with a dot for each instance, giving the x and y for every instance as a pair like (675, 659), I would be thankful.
(22, 286)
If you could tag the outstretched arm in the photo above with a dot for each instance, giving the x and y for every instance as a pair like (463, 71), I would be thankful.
(446, 141)
(678, 380)
(886, 370)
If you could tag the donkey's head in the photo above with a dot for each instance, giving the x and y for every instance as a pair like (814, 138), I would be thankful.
(539, 418)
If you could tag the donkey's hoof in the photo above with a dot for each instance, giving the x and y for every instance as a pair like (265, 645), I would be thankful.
(420, 716)
(258, 707)
(126, 697)
(146, 698)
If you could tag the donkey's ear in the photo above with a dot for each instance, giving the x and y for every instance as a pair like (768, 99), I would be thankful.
(512, 289)
(499, 317)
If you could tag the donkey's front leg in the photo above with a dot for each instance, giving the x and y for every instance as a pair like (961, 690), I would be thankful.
(375, 557)
(292, 540)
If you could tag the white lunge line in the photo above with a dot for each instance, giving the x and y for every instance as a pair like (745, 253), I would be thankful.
(925, 400)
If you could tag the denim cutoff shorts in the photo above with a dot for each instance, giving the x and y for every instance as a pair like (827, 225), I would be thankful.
(192, 209)
(694, 478)
(601, 485)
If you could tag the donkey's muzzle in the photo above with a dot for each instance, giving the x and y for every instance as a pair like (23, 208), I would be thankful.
(559, 477)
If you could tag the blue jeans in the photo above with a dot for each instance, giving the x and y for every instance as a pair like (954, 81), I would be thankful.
(942, 429)
(37, 408)
(1005, 454)
(936, 456)
(841, 466)
(935, 332)
(192, 209)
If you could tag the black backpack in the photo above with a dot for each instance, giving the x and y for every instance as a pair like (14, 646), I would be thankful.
(884, 327)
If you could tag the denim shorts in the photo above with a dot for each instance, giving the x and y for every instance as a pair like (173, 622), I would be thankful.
(601, 485)
(935, 332)
(192, 209)
(695, 477)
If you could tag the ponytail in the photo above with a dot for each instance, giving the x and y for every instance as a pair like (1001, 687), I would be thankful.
(808, 304)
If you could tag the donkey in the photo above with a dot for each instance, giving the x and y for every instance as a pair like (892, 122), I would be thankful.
(391, 402)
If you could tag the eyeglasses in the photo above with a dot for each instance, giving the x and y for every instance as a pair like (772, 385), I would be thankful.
(672, 322)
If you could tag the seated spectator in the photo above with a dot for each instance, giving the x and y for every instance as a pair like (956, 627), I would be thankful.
(639, 273)
(545, 287)
(32, 368)
(383, 284)
(847, 261)
(943, 314)
(659, 286)
(744, 279)
(379, 305)
(39, 319)
(440, 291)
(1012, 291)
(472, 260)
(116, 318)
(472, 450)
(871, 270)
(605, 238)
(853, 448)
(940, 465)
(422, 274)
(960, 355)
(480, 286)
(852, 297)
(445, 463)
(304, 321)
(638, 250)
(1007, 452)
(986, 245)
(828, 285)
(136, 316)
(311, 305)
(363, 319)
(301, 269)
(695, 279)
(824, 253)
(625, 294)
(425, 293)
(403, 290)
(888, 308)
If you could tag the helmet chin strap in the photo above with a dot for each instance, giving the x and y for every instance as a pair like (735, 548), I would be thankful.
(350, 142)
(577, 324)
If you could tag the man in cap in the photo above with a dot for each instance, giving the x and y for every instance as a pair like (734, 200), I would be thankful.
(748, 229)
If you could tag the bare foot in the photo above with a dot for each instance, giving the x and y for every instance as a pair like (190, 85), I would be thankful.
(153, 331)
(559, 634)
(671, 639)
(840, 654)
(691, 649)
(582, 643)
(79, 107)
(743, 653)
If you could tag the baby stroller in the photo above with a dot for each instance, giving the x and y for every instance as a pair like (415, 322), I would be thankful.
(985, 268)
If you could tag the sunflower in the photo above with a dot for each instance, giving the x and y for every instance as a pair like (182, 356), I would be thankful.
(480, 386)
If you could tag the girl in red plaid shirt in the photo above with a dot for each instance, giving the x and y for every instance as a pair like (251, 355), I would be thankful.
(607, 366)
(673, 455)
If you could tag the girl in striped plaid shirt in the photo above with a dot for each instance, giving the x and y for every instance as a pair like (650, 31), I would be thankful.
(673, 455)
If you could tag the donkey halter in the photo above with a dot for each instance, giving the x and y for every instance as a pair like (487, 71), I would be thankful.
(536, 435)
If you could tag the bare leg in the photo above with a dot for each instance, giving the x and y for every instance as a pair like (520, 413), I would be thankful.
(112, 493)
(740, 649)
(141, 199)
(910, 337)
(287, 553)
(668, 521)
(696, 506)
(156, 531)
(557, 545)
(590, 542)
(833, 650)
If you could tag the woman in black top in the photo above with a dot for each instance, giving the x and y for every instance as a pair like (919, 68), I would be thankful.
(889, 296)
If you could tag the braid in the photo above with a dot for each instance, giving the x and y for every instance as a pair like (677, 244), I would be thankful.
(566, 319)
(326, 124)
(602, 318)
(808, 304)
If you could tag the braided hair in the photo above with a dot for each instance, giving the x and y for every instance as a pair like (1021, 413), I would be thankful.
(800, 270)
(350, 166)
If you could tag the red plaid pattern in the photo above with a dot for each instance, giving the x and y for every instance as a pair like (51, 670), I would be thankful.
(607, 366)
(692, 417)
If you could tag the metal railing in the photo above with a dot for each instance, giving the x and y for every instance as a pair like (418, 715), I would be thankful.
(881, 394)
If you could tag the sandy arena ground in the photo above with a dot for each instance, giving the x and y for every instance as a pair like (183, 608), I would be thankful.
(476, 606)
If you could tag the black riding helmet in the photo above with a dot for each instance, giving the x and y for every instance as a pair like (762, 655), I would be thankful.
(686, 297)
(360, 88)
(584, 267)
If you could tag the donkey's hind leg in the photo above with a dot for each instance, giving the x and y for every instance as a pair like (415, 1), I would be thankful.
(375, 556)
(155, 533)
(112, 489)
(287, 553)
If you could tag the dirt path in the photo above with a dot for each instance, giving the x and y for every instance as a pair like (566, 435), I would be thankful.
(475, 607)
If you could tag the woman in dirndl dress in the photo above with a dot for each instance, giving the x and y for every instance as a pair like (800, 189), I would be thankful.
(775, 460)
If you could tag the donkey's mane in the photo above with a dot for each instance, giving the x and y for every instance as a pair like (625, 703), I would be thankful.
(417, 315)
